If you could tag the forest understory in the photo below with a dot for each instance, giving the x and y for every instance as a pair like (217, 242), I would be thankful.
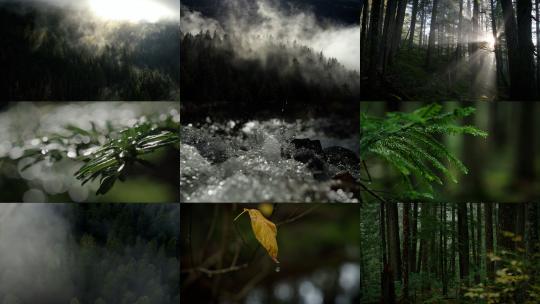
(442, 50)
(450, 253)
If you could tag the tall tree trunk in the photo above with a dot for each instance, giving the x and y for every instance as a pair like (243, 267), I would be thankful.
(473, 41)
(488, 219)
(431, 39)
(510, 29)
(362, 258)
(388, 32)
(496, 46)
(382, 220)
(364, 32)
(453, 248)
(374, 44)
(406, 246)
(414, 13)
(463, 242)
(442, 241)
(393, 240)
(422, 22)
(526, 50)
(507, 223)
(478, 244)
(472, 235)
(459, 49)
(400, 18)
(414, 232)
(387, 280)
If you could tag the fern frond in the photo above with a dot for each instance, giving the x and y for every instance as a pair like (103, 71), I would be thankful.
(406, 141)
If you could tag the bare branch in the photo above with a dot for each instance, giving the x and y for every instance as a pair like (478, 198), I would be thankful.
(290, 220)
(373, 193)
(216, 271)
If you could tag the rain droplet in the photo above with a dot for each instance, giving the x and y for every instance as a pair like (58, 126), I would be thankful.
(44, 151)
(278, 269)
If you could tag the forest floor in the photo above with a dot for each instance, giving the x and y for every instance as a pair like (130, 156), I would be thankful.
(408, 78)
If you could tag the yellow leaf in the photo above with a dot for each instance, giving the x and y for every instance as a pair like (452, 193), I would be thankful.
(265, 231)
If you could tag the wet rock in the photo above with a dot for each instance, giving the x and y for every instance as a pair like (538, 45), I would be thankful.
(302, 149)
(211, 147)
(342, 158)
(308, 152)
(319, 168)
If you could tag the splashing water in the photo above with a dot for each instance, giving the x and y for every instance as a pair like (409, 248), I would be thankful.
(242, 162)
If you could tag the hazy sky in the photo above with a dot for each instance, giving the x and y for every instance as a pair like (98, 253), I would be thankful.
(135, 10)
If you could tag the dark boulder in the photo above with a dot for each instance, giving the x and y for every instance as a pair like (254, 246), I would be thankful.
(342, 158)
(302, 149)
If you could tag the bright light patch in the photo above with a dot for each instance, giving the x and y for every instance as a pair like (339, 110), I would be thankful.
(130, 10)
(490, 40)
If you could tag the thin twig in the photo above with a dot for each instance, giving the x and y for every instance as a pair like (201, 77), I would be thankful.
(374, 194)
(290, 220)
(217, 271)
(367, 171)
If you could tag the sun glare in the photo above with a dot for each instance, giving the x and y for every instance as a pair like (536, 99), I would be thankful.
(489, 40)
(131, 10)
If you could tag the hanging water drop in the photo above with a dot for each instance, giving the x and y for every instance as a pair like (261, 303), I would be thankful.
(71, 154)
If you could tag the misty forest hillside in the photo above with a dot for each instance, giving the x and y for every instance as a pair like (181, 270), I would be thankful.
(288, 73)
(89, 253)
(57, 54)
(269, 58)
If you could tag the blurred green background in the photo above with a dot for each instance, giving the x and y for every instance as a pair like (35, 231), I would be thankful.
(504, 167)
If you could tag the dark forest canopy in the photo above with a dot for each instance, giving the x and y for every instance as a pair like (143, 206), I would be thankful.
(57, 54)
(274, 77)
(342, 11)
(450, 50)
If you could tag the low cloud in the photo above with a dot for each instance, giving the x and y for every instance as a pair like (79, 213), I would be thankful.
(34, 243)
(269, 21)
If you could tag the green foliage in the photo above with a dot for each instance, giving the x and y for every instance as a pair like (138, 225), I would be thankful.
(107, 154)
(407, 142)
(411, 78)
(110, 162)
(515, 280)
